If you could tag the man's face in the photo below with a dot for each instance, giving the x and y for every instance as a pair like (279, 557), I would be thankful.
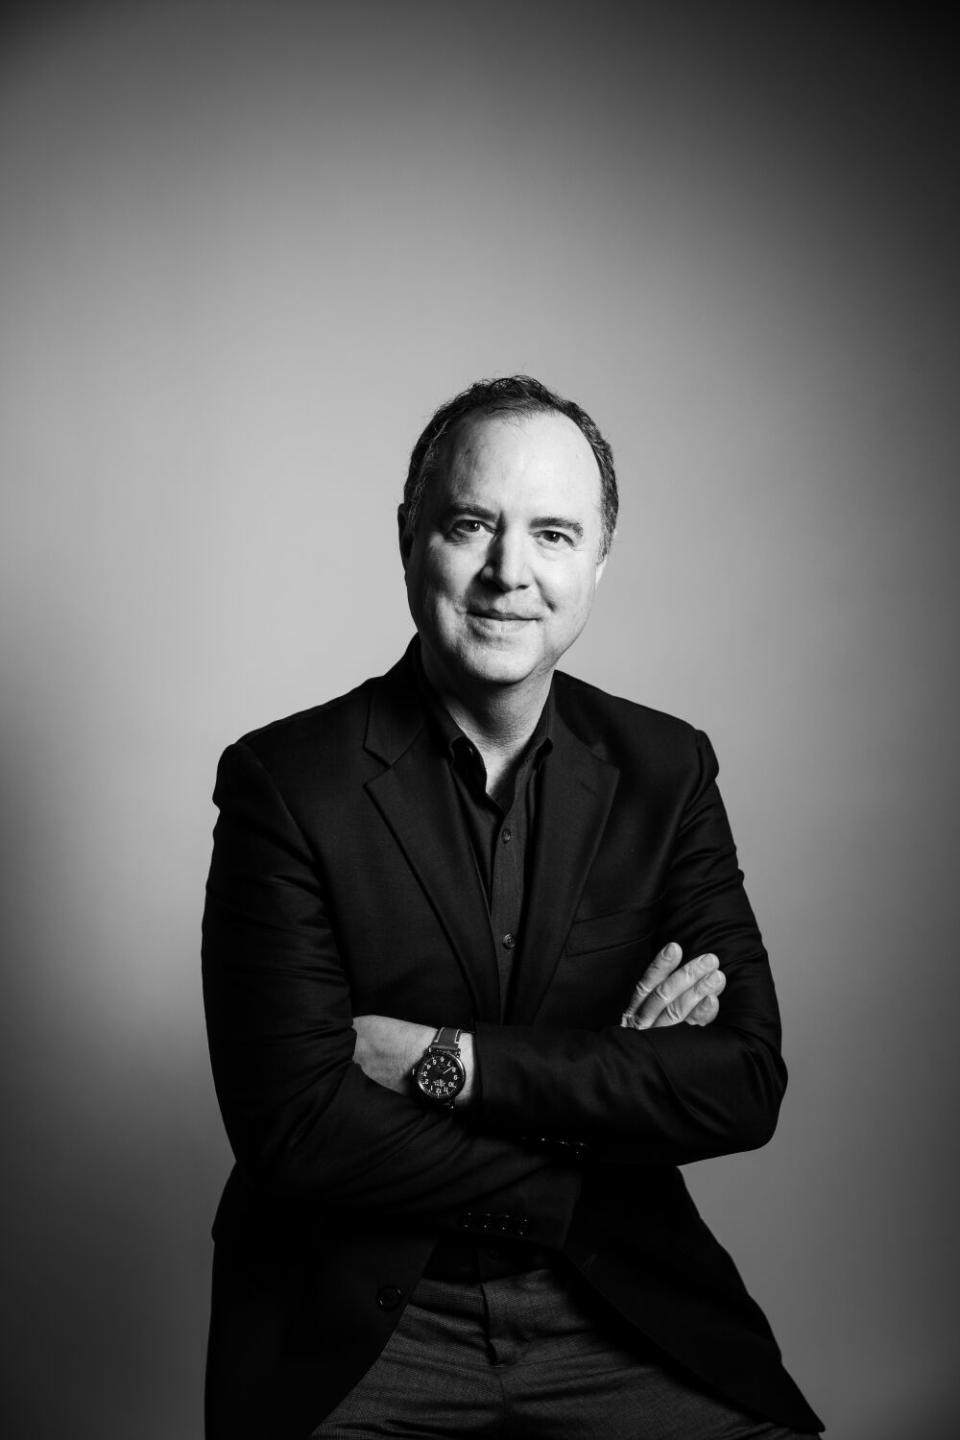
(502, 569)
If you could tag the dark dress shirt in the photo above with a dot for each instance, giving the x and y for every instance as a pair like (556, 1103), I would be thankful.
(502, 835)
(502, 830)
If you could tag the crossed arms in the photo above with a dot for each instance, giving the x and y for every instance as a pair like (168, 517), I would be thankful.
(668, 993)
(309, 1117)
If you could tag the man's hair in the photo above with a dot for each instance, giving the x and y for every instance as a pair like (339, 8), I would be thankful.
(519, 395)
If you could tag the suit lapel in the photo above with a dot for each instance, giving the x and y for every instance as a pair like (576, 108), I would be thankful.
(577, 789)
(417, 798)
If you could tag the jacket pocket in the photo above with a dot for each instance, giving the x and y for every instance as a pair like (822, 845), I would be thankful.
(603, 932)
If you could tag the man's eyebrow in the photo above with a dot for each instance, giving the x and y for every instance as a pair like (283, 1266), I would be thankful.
(465, 507)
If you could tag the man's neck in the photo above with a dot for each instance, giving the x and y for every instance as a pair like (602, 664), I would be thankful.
(499, 719)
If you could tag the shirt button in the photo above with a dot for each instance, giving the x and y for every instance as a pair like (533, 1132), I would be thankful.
(509, 941)
(506, 835)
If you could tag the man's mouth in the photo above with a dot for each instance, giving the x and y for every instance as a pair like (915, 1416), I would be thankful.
(500, 615)
(498, 625)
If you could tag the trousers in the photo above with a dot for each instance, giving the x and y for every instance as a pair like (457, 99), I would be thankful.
(523, 1358)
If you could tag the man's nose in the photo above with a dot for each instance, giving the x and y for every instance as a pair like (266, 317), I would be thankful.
(507, 561)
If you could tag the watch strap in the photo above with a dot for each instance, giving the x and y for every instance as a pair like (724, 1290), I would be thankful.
(446, 1038)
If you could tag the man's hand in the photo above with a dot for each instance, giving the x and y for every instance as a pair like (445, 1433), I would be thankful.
(387, 1050)
(670, 992)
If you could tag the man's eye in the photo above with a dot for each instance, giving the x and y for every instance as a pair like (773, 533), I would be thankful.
(555, 538)
(466, 526)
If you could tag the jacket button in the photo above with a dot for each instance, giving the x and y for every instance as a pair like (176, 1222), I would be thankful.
(389, 1297)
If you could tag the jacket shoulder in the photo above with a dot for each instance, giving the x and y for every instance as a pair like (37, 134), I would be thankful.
(306, 726)
(656, 754)
(612, 724)
(311, 747)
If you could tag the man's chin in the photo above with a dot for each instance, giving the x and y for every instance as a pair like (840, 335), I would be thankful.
(498, 668)
(494, 665)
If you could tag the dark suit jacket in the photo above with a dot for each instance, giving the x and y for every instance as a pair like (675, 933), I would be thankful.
(341, 884)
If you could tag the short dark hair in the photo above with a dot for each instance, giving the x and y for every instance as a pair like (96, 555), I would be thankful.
(522, 395)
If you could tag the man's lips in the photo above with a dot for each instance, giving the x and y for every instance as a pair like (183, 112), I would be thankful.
(498, 627)
(500, 615)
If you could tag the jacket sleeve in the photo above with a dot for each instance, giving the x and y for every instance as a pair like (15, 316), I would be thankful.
(302, 1119)
(670, 1095)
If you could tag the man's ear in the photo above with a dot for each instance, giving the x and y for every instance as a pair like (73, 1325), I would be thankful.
(602, 562)
(404, 535)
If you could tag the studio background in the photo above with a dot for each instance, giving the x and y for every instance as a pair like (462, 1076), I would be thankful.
(245, 249)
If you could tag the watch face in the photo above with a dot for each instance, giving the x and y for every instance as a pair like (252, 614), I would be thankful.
(440, 1076)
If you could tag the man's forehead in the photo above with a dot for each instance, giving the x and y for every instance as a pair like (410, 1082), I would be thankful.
(542, 447)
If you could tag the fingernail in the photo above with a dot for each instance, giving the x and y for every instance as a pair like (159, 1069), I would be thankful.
(713, 982)
(672, 951)
(709, 962)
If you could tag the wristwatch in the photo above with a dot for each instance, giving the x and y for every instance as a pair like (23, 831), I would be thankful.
(439, 1074)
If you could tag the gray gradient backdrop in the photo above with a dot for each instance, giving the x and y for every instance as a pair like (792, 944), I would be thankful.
(244, 250)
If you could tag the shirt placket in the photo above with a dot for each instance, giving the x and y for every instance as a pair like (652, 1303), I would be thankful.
(506, 890)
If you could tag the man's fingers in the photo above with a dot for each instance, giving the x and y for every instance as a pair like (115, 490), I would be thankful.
(705, 1013)
(676, 994)
(704, 991)
(656, 972)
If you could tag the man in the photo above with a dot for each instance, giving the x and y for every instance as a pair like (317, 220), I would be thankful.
(456, 922)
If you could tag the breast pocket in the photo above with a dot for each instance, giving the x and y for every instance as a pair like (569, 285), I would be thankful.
(604, 957)
(605, 932)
